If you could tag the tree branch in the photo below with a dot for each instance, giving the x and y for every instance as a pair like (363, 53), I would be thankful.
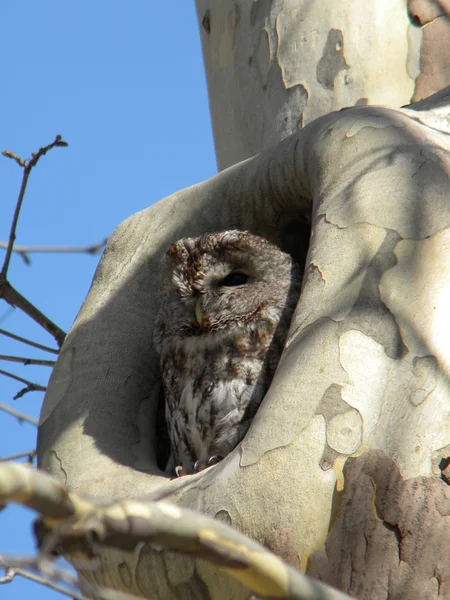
(25, 250)
(19, 415)
(27, 361)
(68, 519)
(31, 454)
(6, 290)
(14, 298)
(56, 574)
(31, 387)
(29, 342)
(48, 583)
(20, 565)
(27, 167)
(9, 575)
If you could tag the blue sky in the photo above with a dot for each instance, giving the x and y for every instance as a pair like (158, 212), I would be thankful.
(123, 83)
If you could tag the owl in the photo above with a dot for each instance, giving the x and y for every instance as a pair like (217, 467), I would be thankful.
(226, 306)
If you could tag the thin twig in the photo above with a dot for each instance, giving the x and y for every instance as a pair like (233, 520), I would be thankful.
(14, 298)
(6, 314)
(31, 455)
(100, 592)
(27, 361)
(43, 564)
(27, 166)
(8, 576)
(25, 250)
(20, 416)
(29, 342)
(25, 390)
(36, 386)
(47, 570)
(50, 584)
(31, 387)
(12, 235)
(7, 292)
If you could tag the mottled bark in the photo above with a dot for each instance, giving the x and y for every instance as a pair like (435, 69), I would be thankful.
(275, 65)
(366, 368)
(391, 536)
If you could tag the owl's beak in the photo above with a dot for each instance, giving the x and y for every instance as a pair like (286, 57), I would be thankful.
(198, 311)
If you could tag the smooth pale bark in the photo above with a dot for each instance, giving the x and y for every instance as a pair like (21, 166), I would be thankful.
(275, 65)
(365, 373)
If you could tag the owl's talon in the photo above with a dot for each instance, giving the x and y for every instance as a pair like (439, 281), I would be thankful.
(179, 471)
(212, 460)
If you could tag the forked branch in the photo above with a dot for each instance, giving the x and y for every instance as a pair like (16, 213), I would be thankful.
(69, 521)
(31, 387)
(6, 290)
(27, 166)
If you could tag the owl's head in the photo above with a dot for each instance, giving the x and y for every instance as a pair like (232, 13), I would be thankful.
(225, 279)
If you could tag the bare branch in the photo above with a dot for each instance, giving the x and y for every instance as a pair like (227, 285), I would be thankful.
(52, 575)
(48, 583)
(49, 573)
(69, 519)
(31, 455)
(31, 387)
(26, 390)
(36, 386)
(29, 342)
(27, 361)
(6, 290)
(18, 160)
(25, 250)
(6, 314)
(20, 416)
(8, 576)
(14, 298)
(27, 166)
(58, 142)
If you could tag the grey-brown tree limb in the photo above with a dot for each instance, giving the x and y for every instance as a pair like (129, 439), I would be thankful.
(71, 522)
(342, 471)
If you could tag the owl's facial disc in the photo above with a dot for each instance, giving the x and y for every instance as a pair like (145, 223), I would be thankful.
(235, 279)
(221, 297)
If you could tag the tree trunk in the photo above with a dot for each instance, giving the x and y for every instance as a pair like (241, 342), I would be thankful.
(274, 66)
(343, 470)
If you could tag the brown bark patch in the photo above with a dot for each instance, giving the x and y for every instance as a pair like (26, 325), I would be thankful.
(391, 538)
(281, 543)
(434, 18)
(425, 11)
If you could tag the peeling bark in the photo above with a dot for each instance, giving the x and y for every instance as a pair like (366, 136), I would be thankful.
(366, 368)
(391, 536)
(433, 19)
(274, 66)
(343, 470)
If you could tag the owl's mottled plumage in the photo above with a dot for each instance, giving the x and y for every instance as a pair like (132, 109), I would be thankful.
(227, 302)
